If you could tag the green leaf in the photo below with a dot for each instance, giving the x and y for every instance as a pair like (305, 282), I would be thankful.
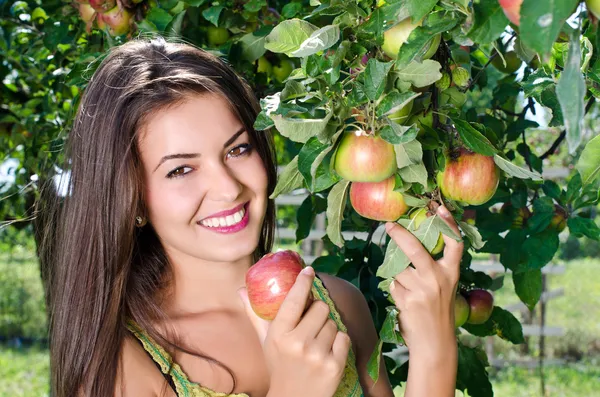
(419, 8)
(472, 375)
(420, 37)
(383, 16)
(474, 139)
(375, 77)
(159, 17)
(375, 362)
(443, 228)
(212, 14)
(428, 233)
(290, 179)
(540, 249)
(588, 164)
(489, 21)
(395, 133)
(291, 9)
(574, 187)
(420, 74)
(414, 173)
(289, 35)
(528, 286)
(514, 170)
(551, 189)
(336, 202)
(305, 218)
(571, 94)
(473, 234)
(319, 40)
(408, 153)
(253, 46)
(300, 130)
(501, 323)
(307, 156)
(394, 101)
(394, 262)
(580, 227)
(536, 83)
(330, 264)
(540, 26)
(543, 211)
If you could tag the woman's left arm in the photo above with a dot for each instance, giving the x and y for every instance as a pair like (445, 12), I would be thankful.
(356, 315)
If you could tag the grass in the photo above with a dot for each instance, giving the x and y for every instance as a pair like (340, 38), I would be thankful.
(24, 372)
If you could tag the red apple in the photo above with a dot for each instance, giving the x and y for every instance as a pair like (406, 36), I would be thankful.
(481, 304)
(87, 13)
(378, 200)
(269, 280)
(512, 10)
(469, 177)
(461, 310)
(118, 19)
(419, 216)
(102, 5)
(361, 157)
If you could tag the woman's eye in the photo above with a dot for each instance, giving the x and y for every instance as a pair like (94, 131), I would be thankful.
(178, 172)
(239, 150)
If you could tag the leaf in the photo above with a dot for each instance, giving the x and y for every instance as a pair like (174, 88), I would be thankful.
(420, 37)
(540, 26)
(580, 227)
(307, 156)
(160, 18)
(329, 264)
(528, 286)
(414, 173)
(571, 94)
(489, 21)
(472, 375)
(551, 189)
(290, 179)
(543, 211)
(536, 83)
(375, 362)
(305, 218)
(419, 8)
(375, 77)
(588, 164)
(501, 323)
(474, 139)
(540, 249)
(211, 14)
(428, 233)
(253, 46)
(394, 262)
(289, 35)
(300, 130)
(319, 40)
(382, 16)
(336, 202)
(394, 101)
(395, 133)
(420, 74)
(408, 153)
(388, 333)
(514, 170)
(574, 187)
(443, 228)
(473, 234)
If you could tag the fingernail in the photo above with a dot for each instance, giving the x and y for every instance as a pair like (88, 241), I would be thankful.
(389, 226)
(308, 270)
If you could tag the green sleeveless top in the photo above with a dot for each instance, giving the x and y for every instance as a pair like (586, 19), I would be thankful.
(349, 385)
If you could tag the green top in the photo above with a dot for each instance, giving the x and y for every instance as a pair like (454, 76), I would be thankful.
(349, 386)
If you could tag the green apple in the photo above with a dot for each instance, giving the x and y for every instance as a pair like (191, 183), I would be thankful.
(217, 35)
(461, 310)
(396, 36)
(264, 66)
(513, 62)
(418, 217)
(283, 70)
(593, 6)
(402, 115)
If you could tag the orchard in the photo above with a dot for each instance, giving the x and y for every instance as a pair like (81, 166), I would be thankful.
(381, 110)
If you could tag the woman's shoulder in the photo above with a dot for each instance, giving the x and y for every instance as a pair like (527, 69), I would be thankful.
(137, 375)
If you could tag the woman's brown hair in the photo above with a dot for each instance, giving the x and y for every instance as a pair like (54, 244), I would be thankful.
(99, 269)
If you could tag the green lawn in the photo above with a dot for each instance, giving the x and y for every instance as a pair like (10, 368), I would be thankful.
(24, 372)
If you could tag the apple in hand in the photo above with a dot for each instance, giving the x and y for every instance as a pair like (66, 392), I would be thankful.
(378, 200)
(361, 157)
(469, 177)
(512, 10)
(461, 310)
(269, 280)
(481, 304)
(418, 217)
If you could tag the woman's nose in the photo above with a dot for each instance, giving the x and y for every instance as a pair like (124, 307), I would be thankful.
(225, 186)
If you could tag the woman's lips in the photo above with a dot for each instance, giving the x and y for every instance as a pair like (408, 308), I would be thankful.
(232, 228)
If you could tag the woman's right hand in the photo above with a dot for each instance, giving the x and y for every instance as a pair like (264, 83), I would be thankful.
(304, 351)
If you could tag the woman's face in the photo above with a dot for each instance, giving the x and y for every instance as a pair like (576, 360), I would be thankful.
(205, 185)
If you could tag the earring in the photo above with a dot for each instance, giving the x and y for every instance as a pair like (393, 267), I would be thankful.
(139, 221)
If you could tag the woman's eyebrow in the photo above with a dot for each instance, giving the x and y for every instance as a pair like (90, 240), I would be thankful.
(195, 155)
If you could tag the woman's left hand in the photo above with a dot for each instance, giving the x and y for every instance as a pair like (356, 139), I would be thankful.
(425, 294)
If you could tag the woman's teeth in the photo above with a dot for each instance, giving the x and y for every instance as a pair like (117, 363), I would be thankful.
(228, 220)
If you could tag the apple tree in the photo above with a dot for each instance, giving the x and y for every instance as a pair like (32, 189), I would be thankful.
(381, 109)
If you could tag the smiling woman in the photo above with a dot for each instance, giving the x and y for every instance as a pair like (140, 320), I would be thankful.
(167, 210)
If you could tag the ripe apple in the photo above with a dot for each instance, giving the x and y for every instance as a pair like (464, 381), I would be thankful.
(469, 177)
(118, 19)
(593, 6)
(378, 200)
(87, 13)
(461, 310)
(217, 35)
(559, 220)
(269, 280)
(283, 70)
(512, 10)
(513, 62)
(419, 216)
(361, 157)
(396, 36)
(102, 5)
(481, 304)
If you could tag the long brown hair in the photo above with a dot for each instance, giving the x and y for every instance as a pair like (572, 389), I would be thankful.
(99, 269)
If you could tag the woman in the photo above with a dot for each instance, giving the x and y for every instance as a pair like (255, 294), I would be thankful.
(167, 208)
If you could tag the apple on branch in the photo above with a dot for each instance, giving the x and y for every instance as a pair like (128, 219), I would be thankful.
(512, 10)
(397, 35)
(378, 200)
(269, 280)
(461, 310)
(418, 217)
(481, 304)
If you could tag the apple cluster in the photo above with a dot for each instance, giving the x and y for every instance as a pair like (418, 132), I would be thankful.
(474, 307)
(115, 16)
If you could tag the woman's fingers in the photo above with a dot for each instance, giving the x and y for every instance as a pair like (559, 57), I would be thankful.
(313, 320)
(453, 249)
(293, 306)
(411, 246)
